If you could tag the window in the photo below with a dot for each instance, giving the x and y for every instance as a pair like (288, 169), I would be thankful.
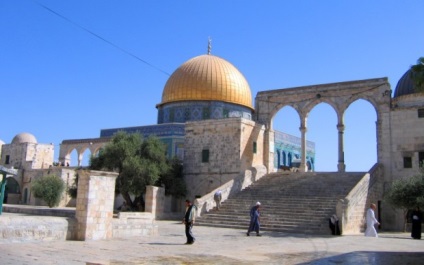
(7, 160)
(205, 156)
(254, 147)
(420, 113)
(421, 159)
(407, 162)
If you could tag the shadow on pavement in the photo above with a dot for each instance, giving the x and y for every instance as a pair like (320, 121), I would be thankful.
(375, 258)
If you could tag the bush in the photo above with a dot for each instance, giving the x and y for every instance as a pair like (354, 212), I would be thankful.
(49, 188)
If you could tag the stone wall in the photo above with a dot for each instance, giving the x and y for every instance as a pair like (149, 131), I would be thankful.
(17, 228)
(38, 223)
(28, 155)
(351, 210)
(155, 201)
(134, 224)
(234, 186)
(67, 174)
(230, 145)
(93, 217)
(94, 211)
(406, 140)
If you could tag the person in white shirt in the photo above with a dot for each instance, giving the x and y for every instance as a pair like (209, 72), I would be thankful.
(218, 197)
(371, 222)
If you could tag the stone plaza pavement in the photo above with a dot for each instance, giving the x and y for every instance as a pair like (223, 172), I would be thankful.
(219, 246)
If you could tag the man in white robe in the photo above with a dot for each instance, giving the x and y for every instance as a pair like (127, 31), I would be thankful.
(371, 222)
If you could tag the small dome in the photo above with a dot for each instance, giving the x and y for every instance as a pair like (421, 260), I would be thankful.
(405, 85)
(207, 78)
(24, 138)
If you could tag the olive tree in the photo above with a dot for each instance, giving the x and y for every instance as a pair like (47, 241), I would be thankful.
(49, 188)
(173, 180)
(139, 162)
(406, 193)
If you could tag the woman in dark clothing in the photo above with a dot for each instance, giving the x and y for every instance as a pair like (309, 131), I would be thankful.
(417, 218)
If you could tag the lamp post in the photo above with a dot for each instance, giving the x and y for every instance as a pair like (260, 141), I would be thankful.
(4, 172)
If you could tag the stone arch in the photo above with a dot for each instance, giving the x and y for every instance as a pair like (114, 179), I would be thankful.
(365, 98)
(279, 108)
(12, 192)
(93, 145)
(321, 126)
(339, 96)
(364, 135)
(85, 156)
(309, 106)
(285, 125)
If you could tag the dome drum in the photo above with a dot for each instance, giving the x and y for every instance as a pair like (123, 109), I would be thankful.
(201, 110)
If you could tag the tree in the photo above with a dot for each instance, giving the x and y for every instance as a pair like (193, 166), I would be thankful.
(407, 193)
(139, 163)
(418, 75)
(173, 180)
(49, 188)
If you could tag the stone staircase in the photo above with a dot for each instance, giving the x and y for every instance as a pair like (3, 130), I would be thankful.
(291, 202)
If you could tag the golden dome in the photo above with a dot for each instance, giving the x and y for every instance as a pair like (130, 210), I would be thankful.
(207, 77)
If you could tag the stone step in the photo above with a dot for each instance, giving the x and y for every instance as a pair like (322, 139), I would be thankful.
(296, 202)
(294, 228)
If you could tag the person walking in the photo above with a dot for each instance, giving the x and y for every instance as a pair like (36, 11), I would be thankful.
(417, 219)
(255, 224)
(371, 221)
(218, 197)
(189, 218)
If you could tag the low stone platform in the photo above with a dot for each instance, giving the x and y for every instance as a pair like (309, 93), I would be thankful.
(23, 223)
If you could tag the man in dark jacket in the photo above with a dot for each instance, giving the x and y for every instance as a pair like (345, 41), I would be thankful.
(189, 218)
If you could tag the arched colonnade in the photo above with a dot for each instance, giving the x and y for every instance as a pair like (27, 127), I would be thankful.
(339, 96)
(80, 145)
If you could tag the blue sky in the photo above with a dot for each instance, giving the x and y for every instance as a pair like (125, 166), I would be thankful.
(58, 81)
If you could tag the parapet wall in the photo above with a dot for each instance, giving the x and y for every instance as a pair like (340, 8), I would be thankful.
(93, 216)
(51, 225)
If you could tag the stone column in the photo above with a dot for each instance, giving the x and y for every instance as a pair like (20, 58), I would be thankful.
(303, 167)
(341, 165)
(155, 200)
(94, 210)
(268, 153)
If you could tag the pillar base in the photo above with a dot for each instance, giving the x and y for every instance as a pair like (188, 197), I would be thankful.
(341, 167)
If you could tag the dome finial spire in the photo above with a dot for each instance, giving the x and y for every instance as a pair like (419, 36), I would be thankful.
(209, 45)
